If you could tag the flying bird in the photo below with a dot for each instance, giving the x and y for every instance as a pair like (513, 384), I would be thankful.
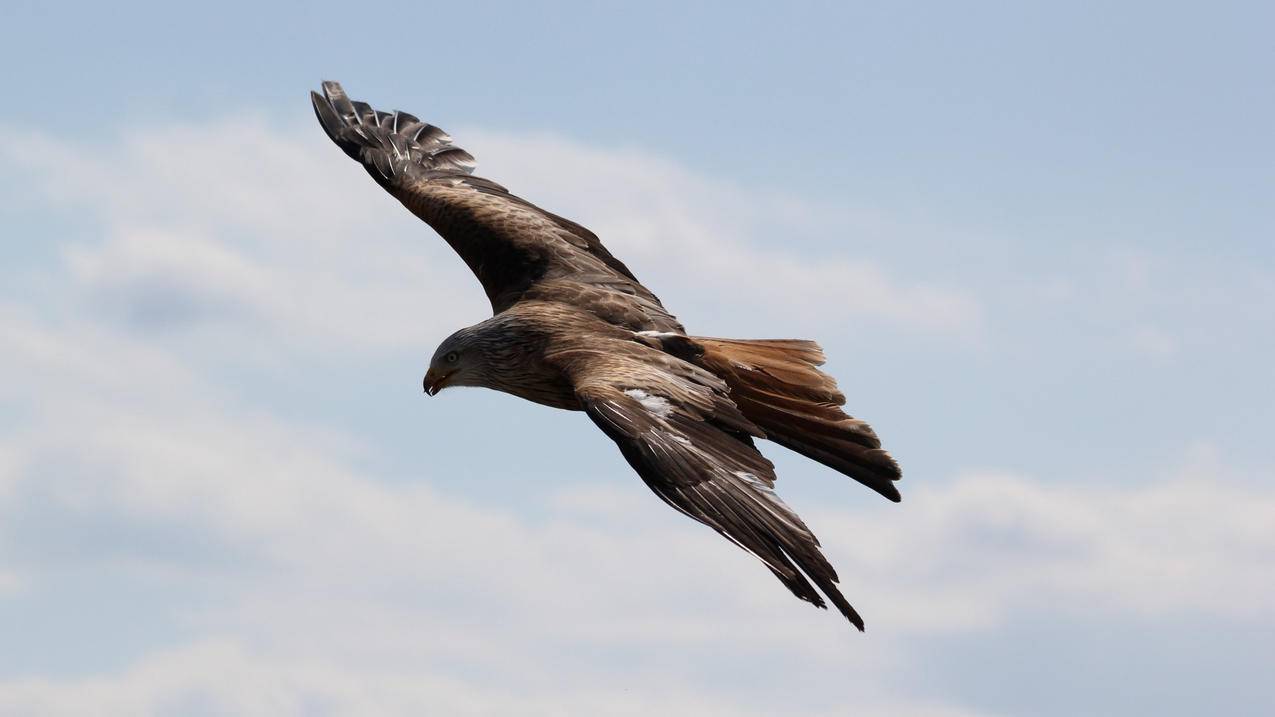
(573, 328)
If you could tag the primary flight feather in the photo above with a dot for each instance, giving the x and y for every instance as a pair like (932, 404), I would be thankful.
(573, 328)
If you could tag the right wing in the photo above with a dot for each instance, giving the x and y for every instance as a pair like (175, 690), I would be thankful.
(677, 427)
(516, 249)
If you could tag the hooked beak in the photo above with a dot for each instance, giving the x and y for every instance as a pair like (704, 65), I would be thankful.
(435, 381)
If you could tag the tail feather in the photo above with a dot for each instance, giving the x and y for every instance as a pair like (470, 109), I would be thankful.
(777, 385)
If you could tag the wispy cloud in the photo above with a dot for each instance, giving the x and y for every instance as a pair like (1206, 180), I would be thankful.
(131, 451)
(235, 216)
(324, 570)
(723, 244)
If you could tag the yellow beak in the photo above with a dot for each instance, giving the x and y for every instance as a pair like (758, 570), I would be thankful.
(435, 381)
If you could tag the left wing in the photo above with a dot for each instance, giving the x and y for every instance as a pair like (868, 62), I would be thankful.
(678, 428)
(516, 249)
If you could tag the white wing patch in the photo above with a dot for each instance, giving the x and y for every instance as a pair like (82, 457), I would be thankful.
(658, 405)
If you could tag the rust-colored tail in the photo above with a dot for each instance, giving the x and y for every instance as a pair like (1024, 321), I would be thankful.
(776, 385)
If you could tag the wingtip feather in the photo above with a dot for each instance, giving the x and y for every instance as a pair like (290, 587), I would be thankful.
(332, 89)
(386, 143)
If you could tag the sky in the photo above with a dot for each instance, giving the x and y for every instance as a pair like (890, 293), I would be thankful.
(1035, 240)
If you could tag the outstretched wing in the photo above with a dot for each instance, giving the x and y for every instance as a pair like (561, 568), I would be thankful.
(676, 425)
(516, 249)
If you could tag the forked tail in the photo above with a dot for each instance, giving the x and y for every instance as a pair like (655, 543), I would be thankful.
(777, 385)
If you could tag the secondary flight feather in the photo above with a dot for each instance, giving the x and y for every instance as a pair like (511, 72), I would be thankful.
(573, 328)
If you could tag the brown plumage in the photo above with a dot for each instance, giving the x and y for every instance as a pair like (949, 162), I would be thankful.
(573, 328)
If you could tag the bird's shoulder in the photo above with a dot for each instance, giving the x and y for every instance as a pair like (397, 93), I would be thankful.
(619, 302)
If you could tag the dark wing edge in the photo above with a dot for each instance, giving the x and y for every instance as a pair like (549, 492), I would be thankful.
(708, 469)
(405, 155)
(388, 144)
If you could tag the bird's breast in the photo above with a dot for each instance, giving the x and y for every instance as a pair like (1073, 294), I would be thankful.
(555, 394)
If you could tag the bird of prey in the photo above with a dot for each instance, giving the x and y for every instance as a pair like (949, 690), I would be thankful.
(573, 328)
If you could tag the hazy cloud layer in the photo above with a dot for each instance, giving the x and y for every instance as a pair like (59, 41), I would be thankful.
(263, 565)
(335, 590)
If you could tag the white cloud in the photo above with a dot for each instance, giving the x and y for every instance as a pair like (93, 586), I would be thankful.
(174, 451)
(157, 277)
(347, 594)
(987, 547)
(195, 681)
(279, 227)
(725, 246)
(339, 590)
(235, 222)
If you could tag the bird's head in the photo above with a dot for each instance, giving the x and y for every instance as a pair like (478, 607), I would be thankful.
(492, 354)
(459, 361)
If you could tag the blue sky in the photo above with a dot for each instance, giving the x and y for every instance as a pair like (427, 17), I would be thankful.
(1035, 241)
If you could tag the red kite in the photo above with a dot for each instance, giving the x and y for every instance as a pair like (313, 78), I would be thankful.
(574, 329)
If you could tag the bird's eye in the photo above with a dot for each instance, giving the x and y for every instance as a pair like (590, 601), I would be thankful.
(451, 357)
